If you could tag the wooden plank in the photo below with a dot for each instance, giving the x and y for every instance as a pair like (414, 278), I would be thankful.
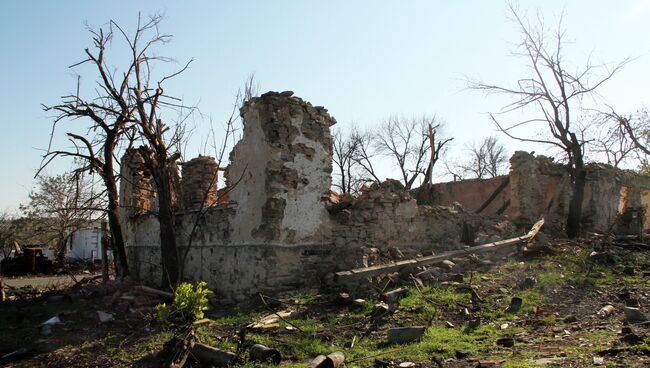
(499, 189)
(421, 261)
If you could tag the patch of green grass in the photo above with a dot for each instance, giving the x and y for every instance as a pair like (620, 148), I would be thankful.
(304, 298)
(306, 347)
(428, 301)
(549, 280)
(128, 350)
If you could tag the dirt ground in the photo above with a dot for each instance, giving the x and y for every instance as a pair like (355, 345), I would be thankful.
(468, 315)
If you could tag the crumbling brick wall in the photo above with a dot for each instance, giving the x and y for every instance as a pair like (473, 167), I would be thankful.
(199, 182)
(472, 194)
(385, 220)
(282, 170)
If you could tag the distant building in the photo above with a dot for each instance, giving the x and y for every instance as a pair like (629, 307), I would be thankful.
(86, 244)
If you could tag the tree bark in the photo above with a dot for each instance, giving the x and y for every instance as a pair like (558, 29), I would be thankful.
(169, 253)
(579, 176)
(110, 181)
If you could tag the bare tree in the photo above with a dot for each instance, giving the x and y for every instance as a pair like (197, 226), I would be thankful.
(436, 146)
(8, 232)
(555, 92)
(344, 151)
(162, 142)
(488, 159)
(612, 140)
(636, 128)
(110, 115)
(411, 144)
(129, 103)
(364, 155)
(64, 204)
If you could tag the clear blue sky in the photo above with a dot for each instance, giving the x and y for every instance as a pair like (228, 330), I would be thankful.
(363, 60)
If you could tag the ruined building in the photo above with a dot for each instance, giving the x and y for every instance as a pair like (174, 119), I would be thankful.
(276, 226)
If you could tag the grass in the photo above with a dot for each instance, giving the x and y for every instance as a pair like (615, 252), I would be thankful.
(325, 328)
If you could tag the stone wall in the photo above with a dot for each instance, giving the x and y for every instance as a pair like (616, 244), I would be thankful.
(199, 182)
(275, 227)
(386, 221)
(282, 167)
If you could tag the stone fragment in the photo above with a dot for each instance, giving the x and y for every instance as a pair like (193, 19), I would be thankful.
(405, 335)
(634, 315)
(104, 317)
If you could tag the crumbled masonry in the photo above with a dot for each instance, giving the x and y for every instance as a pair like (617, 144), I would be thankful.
(279, 228)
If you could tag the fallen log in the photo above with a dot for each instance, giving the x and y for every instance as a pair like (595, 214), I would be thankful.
(421, 261)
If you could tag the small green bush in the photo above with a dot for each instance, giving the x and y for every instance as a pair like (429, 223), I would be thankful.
(188, 305)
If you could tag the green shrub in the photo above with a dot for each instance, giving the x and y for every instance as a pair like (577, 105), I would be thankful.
(188, 305)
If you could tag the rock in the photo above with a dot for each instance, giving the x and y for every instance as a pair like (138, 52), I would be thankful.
(105, 317)
(598, 360)
(634, 315)
(404, 335)
(629, 271)
(448, 264)
(359, 303)
(461, 354)
(406, 365)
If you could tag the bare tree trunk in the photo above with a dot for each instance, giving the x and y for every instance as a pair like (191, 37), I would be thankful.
(62, 250)
(579, 176)
(169, 253)
(115, 224)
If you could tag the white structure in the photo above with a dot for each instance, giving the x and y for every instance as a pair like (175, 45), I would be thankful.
(86, 244)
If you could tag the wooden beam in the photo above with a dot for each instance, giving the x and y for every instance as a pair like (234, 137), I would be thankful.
(421, 261)
(496, 192)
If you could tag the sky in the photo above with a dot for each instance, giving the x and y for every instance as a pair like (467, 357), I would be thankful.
(362, 60)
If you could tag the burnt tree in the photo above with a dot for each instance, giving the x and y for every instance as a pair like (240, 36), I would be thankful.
(554, 91)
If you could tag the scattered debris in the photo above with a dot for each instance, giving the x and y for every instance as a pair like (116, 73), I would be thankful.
(606, 311)
(333, 360)
(395, 295)
(598, 360)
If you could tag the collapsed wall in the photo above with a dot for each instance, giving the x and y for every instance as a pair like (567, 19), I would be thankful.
(273, 230)
(276, 226)
(536, 187)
